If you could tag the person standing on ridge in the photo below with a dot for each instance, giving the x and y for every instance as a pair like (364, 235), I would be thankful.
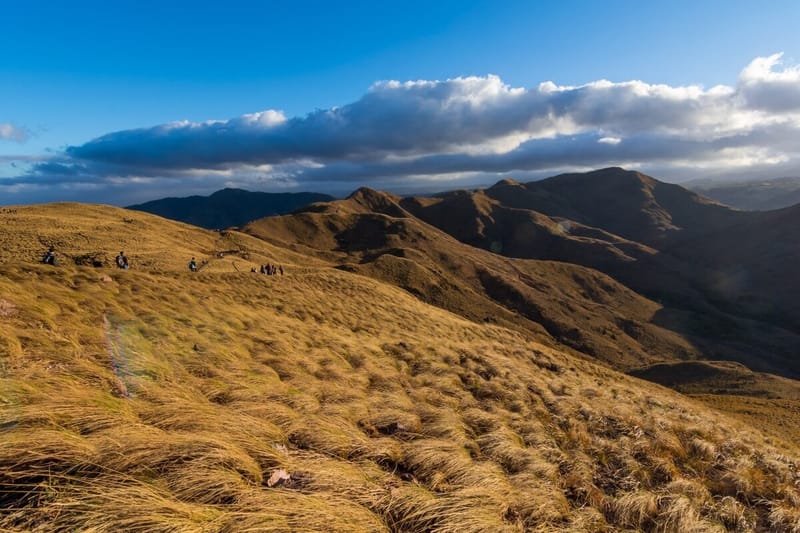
(122, 261)
(49, 257)
(193, 265)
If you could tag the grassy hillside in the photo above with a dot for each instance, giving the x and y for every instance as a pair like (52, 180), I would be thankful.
(84, 234)
(553, 302)
(156, 399)
(769, 402)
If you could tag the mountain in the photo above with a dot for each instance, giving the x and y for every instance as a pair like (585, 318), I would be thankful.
(723, 278)
(622, 202)
(158, 399)
(228, 207)
(752, 195)
(612, 205)
(371, 234)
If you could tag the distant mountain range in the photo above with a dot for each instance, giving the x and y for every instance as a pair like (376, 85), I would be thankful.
(752, 195)
(229, 207)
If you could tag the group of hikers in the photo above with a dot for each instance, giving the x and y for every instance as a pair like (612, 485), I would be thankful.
(49, 258)
(269, 270)
(121, 261)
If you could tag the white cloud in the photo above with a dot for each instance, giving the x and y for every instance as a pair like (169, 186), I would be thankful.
(766, 88)
(428, 130)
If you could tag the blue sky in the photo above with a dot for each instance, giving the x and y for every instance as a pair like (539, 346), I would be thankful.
(125, 72)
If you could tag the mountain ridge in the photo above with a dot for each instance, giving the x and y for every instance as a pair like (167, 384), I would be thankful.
(751, 195)
(403, 248)
(228, 207)
(709, 264)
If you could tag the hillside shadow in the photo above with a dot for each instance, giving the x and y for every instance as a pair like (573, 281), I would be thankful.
(760, 346)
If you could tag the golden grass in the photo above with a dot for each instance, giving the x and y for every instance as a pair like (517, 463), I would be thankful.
(163, 401)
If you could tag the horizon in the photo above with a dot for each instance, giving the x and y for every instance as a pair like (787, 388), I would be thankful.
(133, 102)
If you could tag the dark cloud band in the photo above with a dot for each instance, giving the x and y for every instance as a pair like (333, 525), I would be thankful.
(469, 126)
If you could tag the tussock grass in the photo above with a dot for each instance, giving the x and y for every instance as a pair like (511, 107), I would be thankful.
(681, 514)
(163, 401)
(637, 509)
(733, 515)
(784, 517)
(116, 505)
(536, 504)
(506, 448)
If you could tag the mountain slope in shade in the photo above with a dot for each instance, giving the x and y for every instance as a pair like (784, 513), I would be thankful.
(751, 266)
(229, 207)
(477, 219)
(752, 195)
(725, 277)
(623, 202)
(578, 307)
(158, 399)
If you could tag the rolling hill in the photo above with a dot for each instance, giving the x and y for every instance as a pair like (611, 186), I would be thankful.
(157, 399)
(228, 207)
(369, 233)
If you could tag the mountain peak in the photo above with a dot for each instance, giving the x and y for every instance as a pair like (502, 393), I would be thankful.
(378, 201)
(615, 174)
(365, 192)
(228, 190)
(506, 182)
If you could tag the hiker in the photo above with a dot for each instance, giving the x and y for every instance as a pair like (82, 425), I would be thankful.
(253, 270)
(280, 268)
(193, 265)
(122, 261)
(49, 257)
(262, 270)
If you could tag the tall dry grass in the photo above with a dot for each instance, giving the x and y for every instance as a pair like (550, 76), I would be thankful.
(164, 401)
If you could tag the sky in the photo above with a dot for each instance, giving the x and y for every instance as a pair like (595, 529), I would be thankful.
(128, 101)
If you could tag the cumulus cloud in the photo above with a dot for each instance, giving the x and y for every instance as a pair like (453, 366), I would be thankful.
(423, 131)
(766, 88)
(10, 132)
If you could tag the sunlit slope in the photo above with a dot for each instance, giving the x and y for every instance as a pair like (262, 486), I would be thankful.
(164, 401)
(767, 401)
(89, 234)
(577, 307)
